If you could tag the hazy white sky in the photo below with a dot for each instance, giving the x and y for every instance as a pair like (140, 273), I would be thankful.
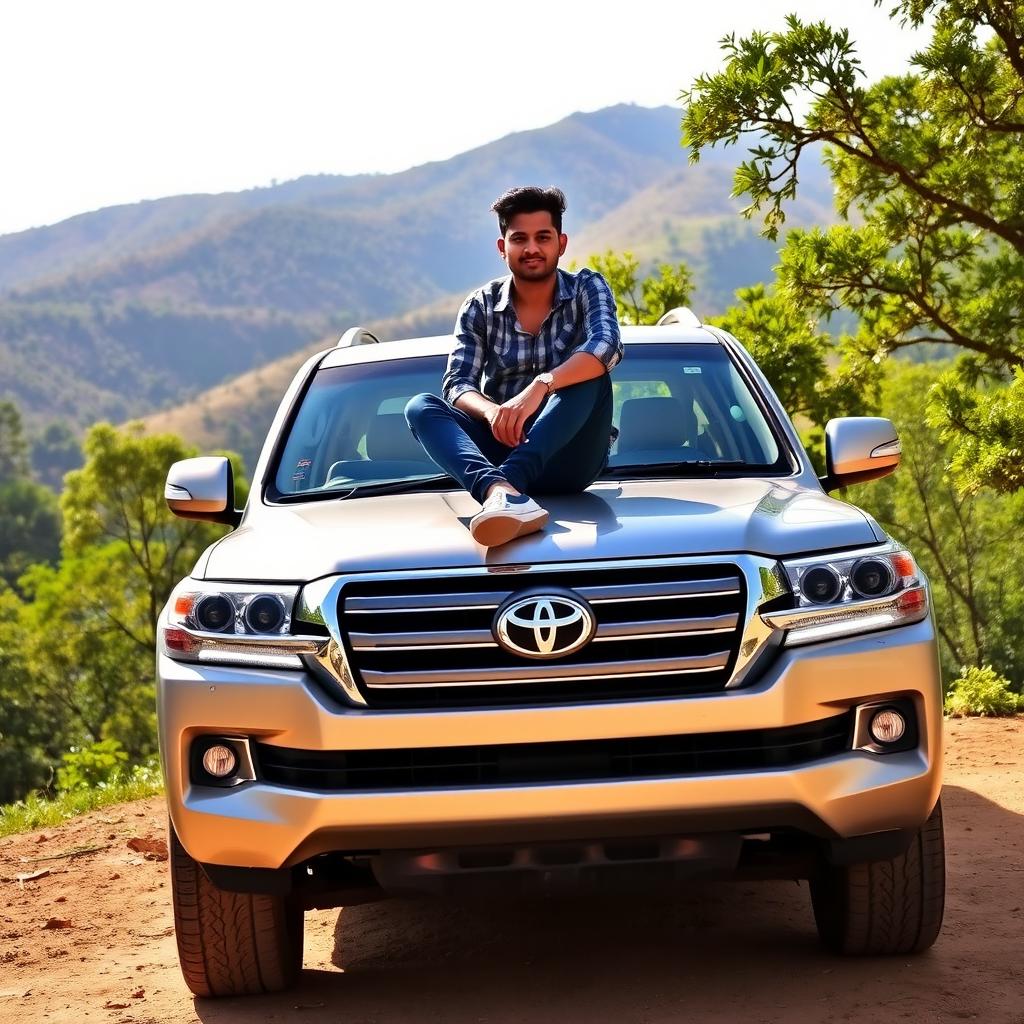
(113, 101)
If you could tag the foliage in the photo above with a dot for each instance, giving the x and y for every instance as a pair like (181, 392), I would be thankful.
(31, 527)
(77, 649)
(966, 543)
(781, 335)
(37, 811)
(815, 375)
(646, 300)
(54, 451)
(929, 172)
(982, 691)
(26, 728)
(93, 765)
(13, 449)
(117, 498)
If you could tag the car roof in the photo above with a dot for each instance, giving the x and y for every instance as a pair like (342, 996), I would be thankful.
(441, 345)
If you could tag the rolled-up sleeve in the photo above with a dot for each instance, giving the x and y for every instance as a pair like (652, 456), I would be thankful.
(600, 321)
(466, 362)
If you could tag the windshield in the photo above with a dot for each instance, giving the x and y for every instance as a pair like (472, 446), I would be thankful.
(675, 405)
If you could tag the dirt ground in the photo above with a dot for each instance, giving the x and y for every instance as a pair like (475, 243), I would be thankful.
(92, 939)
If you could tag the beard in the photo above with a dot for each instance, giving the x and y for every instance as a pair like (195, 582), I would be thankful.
(537, 271)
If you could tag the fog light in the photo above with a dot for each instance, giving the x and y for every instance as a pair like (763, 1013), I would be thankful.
(220, 761)
(888, 726)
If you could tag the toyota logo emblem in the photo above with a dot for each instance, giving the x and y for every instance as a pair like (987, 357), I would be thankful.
(548, 625)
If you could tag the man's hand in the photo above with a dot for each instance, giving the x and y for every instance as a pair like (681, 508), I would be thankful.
(508, 420)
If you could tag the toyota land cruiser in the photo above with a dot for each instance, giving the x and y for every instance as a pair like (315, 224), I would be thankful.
(703, 666)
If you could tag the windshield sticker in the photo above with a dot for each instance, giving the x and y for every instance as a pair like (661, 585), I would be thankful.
(691, 369)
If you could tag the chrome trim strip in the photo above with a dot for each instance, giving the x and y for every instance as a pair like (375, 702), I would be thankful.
(229, 643)
(469, 638)
(543, 672)
(426, 641)
(424, 602)
(816, 615)
(666, 627)
(673, 588)
(545, 679)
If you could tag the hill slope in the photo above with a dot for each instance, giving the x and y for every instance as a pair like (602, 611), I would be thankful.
(125, 311)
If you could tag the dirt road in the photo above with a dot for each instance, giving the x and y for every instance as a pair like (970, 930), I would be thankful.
(723, 953)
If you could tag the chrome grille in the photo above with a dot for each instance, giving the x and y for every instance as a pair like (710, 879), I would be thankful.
(663, 630)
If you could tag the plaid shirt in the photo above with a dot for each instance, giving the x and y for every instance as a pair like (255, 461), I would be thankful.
(490, 344)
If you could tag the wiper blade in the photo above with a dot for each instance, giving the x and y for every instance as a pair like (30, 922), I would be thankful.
(428, 483)
(690, 467)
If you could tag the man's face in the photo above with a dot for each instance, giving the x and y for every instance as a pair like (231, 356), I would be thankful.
(532, 245)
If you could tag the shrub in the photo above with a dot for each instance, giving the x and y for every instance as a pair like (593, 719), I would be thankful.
(88, 767)
(981, 691)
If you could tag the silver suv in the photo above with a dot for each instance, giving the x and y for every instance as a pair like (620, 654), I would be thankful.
(704, 666)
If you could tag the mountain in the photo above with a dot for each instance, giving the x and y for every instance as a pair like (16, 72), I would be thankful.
(132, 309)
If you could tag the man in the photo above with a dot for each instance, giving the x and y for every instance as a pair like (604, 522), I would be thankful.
(527, 403)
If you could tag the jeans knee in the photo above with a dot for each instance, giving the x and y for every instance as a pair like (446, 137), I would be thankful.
(419, 406)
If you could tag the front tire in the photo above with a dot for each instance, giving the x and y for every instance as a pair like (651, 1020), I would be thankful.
(229, 943)
(885, 907)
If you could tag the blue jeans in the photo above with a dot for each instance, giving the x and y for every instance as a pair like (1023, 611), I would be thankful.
(564, 451)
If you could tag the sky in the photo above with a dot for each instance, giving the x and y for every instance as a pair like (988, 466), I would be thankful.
(114, 101)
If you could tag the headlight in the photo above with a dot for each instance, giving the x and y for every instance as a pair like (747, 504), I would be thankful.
(850, 593)
(231, 623)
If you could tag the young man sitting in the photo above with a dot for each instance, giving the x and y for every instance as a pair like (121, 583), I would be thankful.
(527, 405)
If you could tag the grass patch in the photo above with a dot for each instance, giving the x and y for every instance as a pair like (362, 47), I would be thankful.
(37, 811)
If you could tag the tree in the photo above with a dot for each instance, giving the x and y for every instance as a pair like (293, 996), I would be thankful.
(77, 654)
(928, 173)
(13, 450)
(54, 452)
(966, 543)
(31, 527)
(815, 376)
(643, 300)
(782, 335)
(118, 496)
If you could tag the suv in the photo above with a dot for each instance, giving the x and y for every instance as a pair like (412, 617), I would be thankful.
(703, 667)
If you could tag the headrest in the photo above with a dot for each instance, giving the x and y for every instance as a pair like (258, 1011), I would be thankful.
(655, 423)
(389, 438)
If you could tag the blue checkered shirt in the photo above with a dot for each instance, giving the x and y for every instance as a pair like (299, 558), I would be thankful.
(495, 356)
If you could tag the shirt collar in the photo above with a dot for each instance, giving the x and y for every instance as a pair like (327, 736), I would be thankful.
(562, 293)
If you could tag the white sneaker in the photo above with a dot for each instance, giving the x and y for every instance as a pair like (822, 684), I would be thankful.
(504, 517)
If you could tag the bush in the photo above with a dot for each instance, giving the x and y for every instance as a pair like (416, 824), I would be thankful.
(88, 767)
(982, 691)
(38, 811)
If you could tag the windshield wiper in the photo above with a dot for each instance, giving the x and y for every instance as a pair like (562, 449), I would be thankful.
(428, 483)
(690, 467)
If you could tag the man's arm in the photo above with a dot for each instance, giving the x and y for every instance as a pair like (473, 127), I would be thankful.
(461, 383)
(599, 318)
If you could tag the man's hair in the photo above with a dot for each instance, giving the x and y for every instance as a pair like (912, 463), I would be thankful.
(529, 199)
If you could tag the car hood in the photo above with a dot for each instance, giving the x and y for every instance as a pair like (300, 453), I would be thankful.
(628, 519)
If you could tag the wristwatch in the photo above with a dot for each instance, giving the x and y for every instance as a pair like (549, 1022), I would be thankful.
(548, 380)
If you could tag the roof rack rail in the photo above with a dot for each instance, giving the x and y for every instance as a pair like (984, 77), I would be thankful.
(682, 315)
(357, 336)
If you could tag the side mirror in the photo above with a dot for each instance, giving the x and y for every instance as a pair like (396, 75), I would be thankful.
(859, 448)
(202, 489)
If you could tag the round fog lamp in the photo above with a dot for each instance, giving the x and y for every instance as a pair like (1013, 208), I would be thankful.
(219, 761)
(888, 726)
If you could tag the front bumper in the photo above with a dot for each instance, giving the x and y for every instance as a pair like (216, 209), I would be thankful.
(851, 794)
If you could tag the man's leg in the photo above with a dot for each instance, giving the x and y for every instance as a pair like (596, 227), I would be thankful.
(462, 446)
(567, 445)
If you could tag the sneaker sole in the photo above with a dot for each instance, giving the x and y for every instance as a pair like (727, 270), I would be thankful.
(501, 529)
